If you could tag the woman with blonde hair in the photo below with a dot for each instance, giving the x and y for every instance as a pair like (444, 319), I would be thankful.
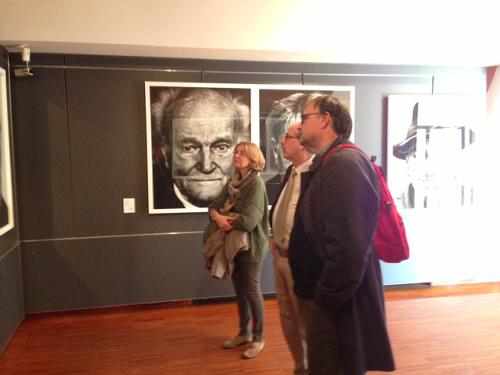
(242, 204)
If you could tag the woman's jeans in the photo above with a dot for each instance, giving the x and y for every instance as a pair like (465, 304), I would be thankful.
(246, 282)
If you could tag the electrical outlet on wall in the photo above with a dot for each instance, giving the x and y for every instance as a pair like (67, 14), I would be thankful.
(128, 205)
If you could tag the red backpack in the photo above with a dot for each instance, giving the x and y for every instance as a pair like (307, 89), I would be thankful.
(390, 235)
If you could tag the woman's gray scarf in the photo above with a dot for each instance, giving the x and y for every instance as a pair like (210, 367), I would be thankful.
(236, 184)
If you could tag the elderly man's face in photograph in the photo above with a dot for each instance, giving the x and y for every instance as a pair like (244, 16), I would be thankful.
(202, 152)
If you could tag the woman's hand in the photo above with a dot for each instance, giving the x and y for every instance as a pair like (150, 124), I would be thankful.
(225, 223)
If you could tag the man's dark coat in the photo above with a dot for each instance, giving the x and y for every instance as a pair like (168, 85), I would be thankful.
(332, 258)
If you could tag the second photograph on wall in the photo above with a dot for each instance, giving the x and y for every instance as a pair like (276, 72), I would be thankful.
(280, 106)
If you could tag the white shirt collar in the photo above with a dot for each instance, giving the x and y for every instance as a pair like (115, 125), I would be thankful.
(304, 166)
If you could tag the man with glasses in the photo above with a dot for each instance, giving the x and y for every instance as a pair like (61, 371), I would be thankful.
(283, 114)
(335, 269)
(282, 215)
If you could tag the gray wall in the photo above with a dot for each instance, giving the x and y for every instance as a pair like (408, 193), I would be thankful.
(80, 146)
(11, 287)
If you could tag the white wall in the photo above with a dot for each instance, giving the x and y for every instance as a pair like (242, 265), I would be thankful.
(356, 31)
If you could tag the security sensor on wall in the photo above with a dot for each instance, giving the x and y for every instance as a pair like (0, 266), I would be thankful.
(26, 58)
(26, 54)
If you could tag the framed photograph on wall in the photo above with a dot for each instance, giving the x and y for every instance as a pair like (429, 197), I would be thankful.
(279, 107)
(431, 146)
(6, 201)
(192, 129)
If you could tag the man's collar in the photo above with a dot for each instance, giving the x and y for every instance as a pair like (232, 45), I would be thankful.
(335, 142)
(320, 155)
(305, 165)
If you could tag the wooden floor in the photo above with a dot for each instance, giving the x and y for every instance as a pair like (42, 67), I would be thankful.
(438, 330)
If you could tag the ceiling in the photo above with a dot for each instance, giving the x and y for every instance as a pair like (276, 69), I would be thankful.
(359, 32)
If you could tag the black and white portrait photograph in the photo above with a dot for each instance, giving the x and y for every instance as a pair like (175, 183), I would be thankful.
(6, 203)
(280, 106)
(192, 132)
(431, 146)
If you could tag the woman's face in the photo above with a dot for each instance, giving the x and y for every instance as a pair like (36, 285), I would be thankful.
(240, 160)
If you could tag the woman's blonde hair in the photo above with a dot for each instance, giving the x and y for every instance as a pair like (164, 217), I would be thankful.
(252, 152)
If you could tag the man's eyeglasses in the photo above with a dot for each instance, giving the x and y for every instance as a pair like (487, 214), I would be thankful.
(288, 136)
(304, 116)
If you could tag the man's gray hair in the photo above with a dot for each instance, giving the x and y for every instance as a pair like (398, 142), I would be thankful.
(286, 112)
